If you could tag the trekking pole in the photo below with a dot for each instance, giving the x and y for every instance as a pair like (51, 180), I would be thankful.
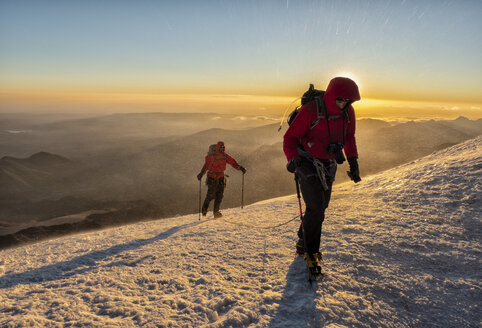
(301, 212)
(200, 200)
(242, 192)
(299, 198)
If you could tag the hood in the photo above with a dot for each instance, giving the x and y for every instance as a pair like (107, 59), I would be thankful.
(220, 145)
(340, 87)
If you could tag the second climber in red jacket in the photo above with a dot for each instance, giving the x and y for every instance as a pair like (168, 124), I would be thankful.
(215, 165)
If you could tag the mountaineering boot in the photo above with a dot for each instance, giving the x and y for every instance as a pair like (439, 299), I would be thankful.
(313, 264)
(218, 214)
(312, 260)
(300, 247)
(216, 206)
(320, 257)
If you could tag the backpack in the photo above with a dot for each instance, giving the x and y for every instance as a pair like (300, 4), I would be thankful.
(310, 95)
(212, 149)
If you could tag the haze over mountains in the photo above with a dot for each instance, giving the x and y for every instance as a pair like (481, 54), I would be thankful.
(76, 138)
(99, 163)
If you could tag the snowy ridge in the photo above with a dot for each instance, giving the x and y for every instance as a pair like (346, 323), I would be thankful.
(402, 249)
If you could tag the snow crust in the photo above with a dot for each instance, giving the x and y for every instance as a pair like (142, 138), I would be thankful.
(401, 249)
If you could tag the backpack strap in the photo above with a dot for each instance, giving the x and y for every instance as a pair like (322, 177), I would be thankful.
(327, 120)
(319, 105)
(343, 116)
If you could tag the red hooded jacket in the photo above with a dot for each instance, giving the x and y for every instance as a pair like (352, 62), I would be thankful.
(315, 141)
(215, 164)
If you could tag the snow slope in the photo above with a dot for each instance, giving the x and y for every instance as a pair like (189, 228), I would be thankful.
(402, 249)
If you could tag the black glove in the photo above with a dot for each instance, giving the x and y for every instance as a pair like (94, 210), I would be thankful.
(354, 172)
(242, 169)
(293, 164)
(200, 175)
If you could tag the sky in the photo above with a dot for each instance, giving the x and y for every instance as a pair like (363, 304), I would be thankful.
(146, 55)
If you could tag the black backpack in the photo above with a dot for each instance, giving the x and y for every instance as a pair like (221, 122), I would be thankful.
(212, 149)
(310, 95)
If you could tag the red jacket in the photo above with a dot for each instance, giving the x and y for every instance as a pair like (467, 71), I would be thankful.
(316, 140)
(215, 164)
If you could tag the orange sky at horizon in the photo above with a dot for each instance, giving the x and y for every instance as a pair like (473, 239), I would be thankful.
(251, 105)
(409, 58)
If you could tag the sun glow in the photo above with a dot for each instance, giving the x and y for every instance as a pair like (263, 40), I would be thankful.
(352, 76)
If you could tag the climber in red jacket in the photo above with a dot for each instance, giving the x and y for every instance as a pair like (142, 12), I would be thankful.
(215, 165)
(313, 144)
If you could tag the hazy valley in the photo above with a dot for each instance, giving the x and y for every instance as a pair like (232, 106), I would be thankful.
(147, 163)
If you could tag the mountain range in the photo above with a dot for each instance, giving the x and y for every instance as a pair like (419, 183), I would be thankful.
(161, 169)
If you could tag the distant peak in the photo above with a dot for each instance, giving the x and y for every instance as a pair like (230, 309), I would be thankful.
(45, 157)
(40, 157)
(44, 154)
(8, 158)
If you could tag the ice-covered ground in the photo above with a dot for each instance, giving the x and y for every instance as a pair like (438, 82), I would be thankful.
(402, 249)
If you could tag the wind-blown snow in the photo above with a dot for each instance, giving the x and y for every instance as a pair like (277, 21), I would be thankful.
(402, 249)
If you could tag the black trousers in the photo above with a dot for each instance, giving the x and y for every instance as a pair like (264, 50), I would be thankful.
(316, 201)
(215, 191)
